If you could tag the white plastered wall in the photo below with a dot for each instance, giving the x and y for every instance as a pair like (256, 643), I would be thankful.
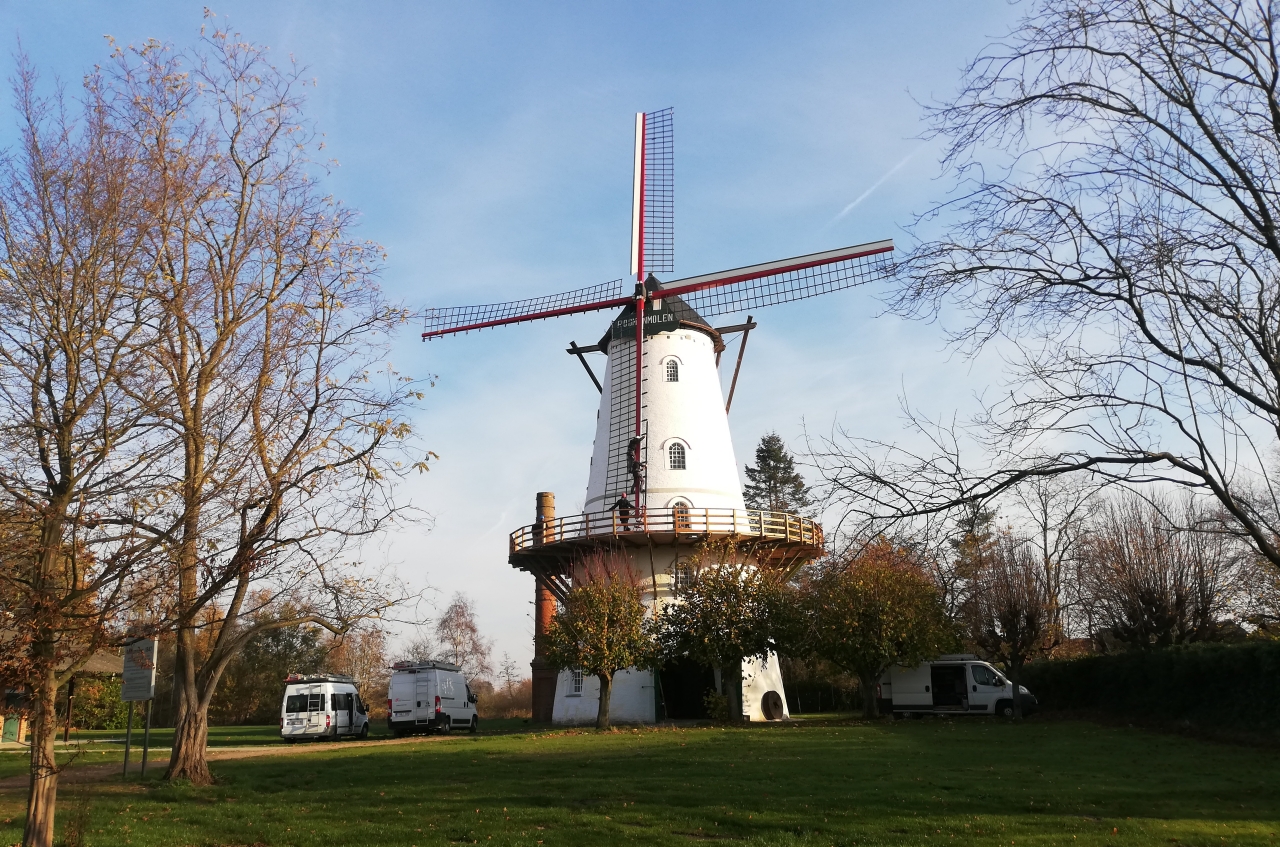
(690, 410)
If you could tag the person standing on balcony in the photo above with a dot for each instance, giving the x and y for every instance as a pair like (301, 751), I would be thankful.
(623, 508)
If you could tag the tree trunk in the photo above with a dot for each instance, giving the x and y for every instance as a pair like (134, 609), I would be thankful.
(43, 792)
(1015, 673)
(733, 689)
(606, 692)
(190, 737)
(870, 706)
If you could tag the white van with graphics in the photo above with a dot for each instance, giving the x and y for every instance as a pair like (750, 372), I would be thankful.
(429, 697)
(322, 706)
(960, 684)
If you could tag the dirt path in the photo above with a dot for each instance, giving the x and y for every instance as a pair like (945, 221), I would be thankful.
(79, 774)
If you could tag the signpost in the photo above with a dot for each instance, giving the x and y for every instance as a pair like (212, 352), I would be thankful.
(139, 684)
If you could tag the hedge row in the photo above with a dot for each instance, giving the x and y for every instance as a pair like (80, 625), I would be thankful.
(1236, 685)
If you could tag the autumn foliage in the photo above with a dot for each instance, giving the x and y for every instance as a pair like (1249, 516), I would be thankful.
(872, 610)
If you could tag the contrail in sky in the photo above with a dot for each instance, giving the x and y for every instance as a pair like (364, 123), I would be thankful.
(864, 195)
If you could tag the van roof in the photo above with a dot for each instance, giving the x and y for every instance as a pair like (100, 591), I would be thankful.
(295, 678)
(424, 666)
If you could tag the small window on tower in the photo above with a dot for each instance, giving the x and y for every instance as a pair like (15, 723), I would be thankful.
(673, 370)
(676, 455)
(575, 683)
(680, 516)
(684, 577)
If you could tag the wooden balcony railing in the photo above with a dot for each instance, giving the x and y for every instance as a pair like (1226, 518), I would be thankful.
(748, 523)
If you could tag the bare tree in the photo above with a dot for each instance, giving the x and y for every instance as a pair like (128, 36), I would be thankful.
(458, 639)
(1115, 238)
(271, 342)
(1158, 573)
(79, 458)
(362, 653)
(1008, 615)
(1056, 513)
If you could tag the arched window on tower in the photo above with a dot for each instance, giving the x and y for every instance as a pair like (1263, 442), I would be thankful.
(675, 456)
(673, 370)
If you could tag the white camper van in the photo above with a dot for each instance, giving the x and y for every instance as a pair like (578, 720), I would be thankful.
(429, 697)
(951, 685)
(322, 706)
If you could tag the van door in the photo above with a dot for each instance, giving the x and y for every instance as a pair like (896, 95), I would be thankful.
(402, 692)
(985, 688)
(424, 697)
(449, 696)
(341, 705)
(315, 709)
(950, 688)
(912, 689)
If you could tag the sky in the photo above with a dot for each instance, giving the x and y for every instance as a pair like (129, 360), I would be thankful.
(487, 147)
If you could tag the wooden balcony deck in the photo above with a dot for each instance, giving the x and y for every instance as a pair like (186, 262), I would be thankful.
(775, 539)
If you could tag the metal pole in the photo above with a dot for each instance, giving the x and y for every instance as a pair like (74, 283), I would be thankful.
(146, 741)
(71, 693)
(128, 738)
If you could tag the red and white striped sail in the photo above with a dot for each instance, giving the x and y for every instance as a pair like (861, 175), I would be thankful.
(653, 196)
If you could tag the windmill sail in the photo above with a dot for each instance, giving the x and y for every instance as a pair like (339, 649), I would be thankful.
(653, 204)
(710, 294)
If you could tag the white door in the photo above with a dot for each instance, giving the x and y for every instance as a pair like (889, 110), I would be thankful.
(342, 708)
(451, 698)
(315, 709)
(424, 696)
(985, 688)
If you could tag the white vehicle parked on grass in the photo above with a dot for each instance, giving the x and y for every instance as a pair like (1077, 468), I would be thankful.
(429, 697)
(322, 706)
(950, 685)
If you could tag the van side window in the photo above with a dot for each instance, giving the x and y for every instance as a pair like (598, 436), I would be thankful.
(983, 675)
(360, 709)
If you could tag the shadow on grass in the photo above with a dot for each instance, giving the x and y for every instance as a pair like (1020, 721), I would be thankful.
(888, 782)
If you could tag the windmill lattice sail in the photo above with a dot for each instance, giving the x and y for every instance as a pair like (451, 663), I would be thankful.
(657, 201)
(714, 294)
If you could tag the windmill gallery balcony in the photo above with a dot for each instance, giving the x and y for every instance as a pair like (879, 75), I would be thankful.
(777, 539)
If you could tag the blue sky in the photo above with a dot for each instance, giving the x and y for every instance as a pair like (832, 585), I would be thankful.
(488, 148)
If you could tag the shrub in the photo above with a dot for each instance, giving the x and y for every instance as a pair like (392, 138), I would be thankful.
(97, 703)
(1234, 685)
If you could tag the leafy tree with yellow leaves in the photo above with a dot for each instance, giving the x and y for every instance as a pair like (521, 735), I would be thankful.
(875, 609)
(601, 627)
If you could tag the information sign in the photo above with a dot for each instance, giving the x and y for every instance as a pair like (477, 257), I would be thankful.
(139, 670)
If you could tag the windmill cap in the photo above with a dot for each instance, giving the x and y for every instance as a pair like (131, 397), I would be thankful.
(681, 313)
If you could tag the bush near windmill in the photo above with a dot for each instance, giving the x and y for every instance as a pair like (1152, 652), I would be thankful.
(733, 618)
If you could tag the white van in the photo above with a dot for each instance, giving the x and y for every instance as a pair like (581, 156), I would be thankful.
(960, 684)
(322, 706)
(429, 697)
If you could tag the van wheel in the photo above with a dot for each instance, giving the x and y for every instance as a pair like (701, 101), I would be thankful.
(364, 731)
(1004, 708)
(475, 724)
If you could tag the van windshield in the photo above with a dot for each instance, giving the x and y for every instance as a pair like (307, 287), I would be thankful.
(304, 703)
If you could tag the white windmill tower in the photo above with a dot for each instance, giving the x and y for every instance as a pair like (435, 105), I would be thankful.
(663, 476)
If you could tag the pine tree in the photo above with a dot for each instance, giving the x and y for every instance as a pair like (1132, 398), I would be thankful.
(775, 484)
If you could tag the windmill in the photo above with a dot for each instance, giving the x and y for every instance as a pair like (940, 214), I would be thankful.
(657, 509)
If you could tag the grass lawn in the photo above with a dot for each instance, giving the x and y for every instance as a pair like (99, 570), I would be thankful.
(974, 781)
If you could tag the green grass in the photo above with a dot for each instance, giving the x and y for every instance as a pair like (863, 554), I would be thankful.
(975, 781)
